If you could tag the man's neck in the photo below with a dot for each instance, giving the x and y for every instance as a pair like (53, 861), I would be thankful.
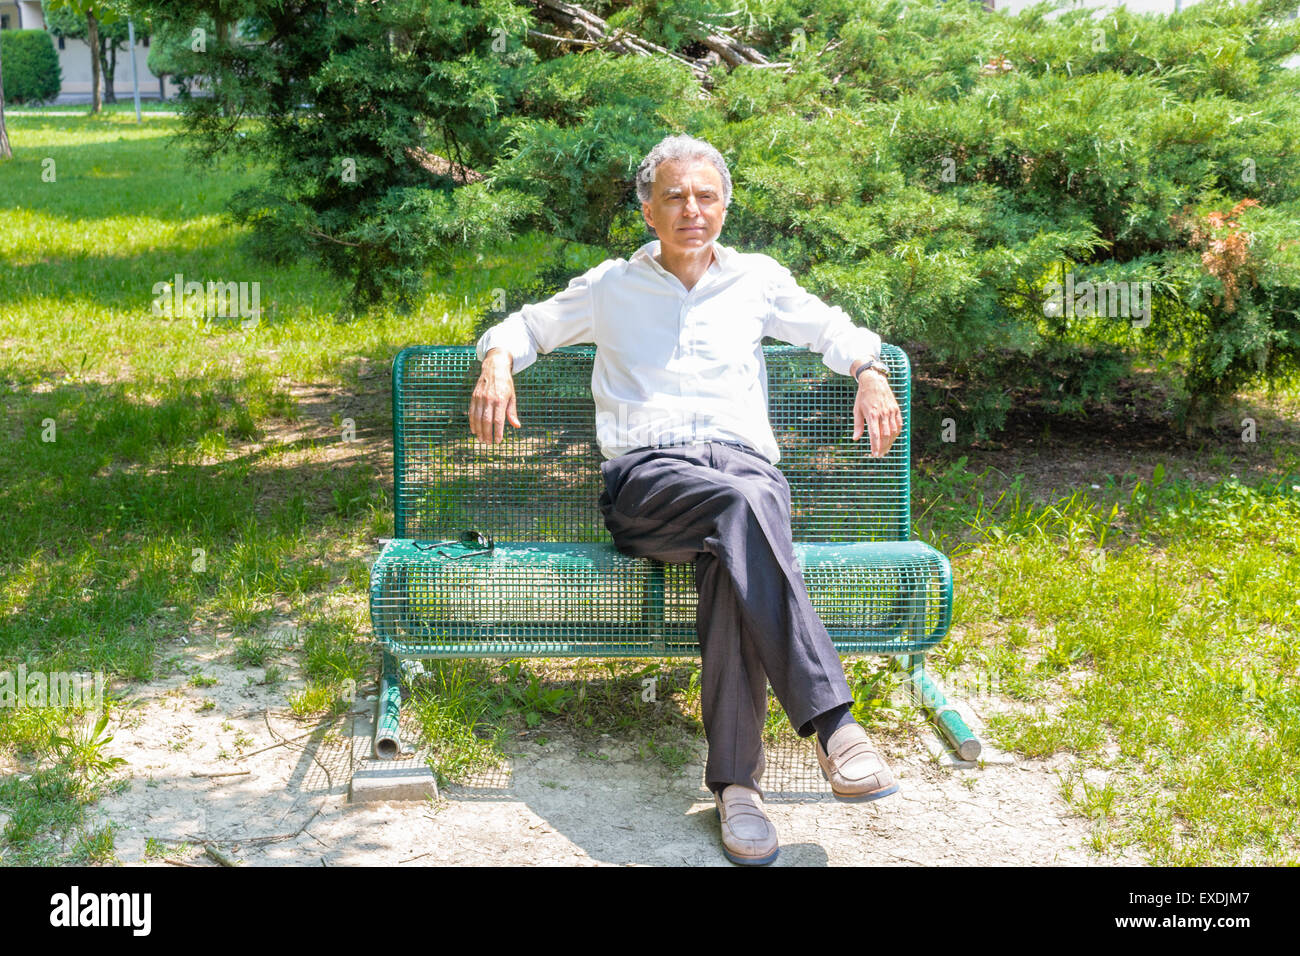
(687, 267)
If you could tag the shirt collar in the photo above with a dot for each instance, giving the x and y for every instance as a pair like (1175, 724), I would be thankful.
(721, 254)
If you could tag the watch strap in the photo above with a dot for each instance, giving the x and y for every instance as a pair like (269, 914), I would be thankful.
(869, 364)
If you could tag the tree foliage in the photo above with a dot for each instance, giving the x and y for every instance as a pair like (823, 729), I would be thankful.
(169, 46)
(95, 15)
(112, 37)
(929, 168)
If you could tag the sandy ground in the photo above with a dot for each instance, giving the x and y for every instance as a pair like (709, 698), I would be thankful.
(560, 802)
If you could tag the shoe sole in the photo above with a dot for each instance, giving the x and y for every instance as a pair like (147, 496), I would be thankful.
(866, 797)
(745, 860)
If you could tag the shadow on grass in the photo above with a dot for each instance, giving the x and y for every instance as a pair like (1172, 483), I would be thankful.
(124, 283)
(138, 506)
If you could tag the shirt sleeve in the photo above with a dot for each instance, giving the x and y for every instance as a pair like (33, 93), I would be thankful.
(563, 319)
(801, 318)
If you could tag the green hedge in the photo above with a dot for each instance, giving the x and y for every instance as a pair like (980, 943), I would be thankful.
(31, 66)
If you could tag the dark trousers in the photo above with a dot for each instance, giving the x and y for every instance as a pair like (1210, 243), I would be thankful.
(727, 509)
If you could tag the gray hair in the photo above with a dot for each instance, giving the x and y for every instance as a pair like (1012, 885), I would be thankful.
(680, 147)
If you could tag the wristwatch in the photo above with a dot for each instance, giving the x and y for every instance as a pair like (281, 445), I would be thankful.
(870, 363)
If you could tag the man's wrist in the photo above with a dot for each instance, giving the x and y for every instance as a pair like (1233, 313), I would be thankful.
(868, 365)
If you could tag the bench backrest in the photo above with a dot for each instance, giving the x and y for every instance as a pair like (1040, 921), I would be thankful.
(543, 481)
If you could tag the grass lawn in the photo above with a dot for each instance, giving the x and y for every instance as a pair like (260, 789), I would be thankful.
(124, 105)
(163, 476)
(1151, 630)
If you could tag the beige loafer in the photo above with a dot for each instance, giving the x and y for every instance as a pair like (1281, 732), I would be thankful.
(748, 837)
(856, 772)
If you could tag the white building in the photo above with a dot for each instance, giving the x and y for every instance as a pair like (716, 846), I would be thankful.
(74, 58)
(1133, 6)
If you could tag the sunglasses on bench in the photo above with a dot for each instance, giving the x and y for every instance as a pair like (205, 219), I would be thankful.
(467, 545)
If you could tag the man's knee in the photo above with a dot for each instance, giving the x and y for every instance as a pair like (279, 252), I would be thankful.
(768, 497)
(754, 504)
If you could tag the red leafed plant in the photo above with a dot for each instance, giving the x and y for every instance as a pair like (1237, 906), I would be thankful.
(1226, 257)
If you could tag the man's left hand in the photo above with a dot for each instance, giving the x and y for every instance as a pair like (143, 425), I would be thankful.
(876, 406)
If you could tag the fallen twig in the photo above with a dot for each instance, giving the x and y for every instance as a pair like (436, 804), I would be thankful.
(329, 778)
(251, 841)
(228, 773)
(225, 859)
(287, 740)
(258, 841)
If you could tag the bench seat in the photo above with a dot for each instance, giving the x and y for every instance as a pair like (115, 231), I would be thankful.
(529, 598)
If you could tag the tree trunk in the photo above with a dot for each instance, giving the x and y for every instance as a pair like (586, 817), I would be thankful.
(108, 68)
(1198, 413)
(92, 40)
(5, 151)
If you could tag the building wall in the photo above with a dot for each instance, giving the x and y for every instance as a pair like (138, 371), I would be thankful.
(1134, 6)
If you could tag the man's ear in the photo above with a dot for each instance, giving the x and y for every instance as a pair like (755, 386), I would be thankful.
(645, 214)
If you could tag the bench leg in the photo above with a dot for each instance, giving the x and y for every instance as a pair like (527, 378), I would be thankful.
(387, 742)
(385, 778)
(927, 694)
(930, 698)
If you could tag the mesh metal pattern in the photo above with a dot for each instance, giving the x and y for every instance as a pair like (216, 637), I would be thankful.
(556, 585)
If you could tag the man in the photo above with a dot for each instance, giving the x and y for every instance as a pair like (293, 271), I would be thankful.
(680, 388)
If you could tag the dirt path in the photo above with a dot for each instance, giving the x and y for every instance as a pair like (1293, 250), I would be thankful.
(560, 802)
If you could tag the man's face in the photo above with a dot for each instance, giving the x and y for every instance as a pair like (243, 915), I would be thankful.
(685, 210)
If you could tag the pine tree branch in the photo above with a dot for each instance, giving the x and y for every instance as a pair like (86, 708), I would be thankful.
(620, 40)
(551, 36)
(593, 31)
(732, 51)
(438, 166)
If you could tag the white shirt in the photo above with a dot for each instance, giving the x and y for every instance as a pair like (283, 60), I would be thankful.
(676, 366)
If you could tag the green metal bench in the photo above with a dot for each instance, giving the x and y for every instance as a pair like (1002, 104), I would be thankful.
(555, 585)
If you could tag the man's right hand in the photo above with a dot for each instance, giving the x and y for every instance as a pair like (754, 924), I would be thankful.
(493, 401)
